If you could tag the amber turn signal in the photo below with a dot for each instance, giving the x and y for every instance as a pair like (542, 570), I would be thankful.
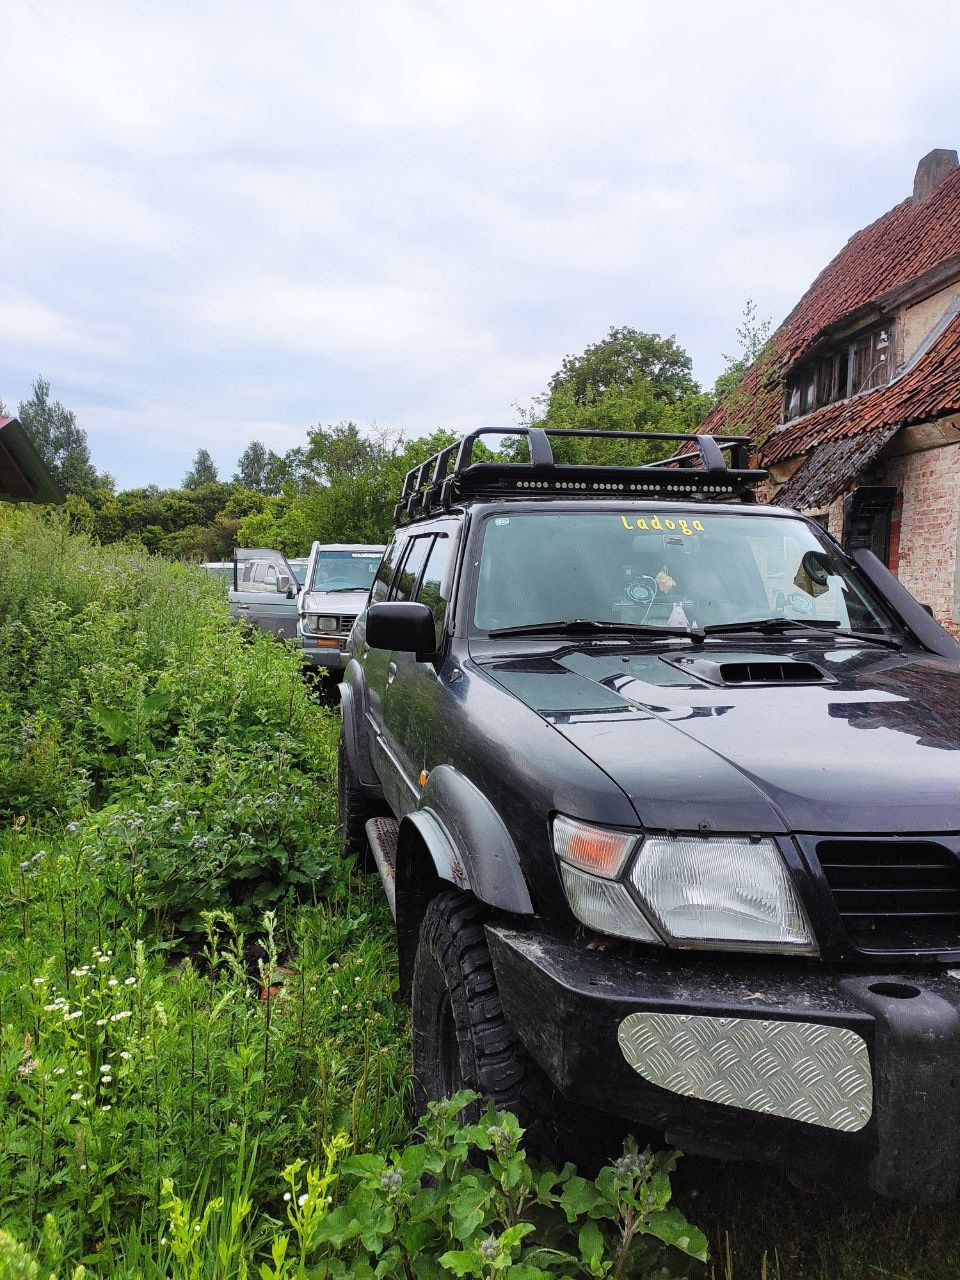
(599, 850)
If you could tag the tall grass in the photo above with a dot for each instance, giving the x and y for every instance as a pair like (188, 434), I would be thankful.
(167, 858)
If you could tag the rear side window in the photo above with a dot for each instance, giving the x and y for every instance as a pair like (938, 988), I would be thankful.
(405, 586)
(391, 558)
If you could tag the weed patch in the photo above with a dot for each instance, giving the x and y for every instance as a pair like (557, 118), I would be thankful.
(203, 1062)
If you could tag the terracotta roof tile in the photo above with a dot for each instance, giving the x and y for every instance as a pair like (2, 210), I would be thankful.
(905, 243)
(930, 390)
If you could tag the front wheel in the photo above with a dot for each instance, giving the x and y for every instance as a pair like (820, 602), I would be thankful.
(461, 1039)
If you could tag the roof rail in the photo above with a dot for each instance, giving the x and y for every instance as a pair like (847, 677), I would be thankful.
(699, 473)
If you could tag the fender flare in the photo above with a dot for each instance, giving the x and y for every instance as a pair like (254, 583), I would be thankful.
(467, 840)
(355, 740)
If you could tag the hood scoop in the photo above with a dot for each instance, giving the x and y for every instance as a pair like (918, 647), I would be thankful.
(751, 669)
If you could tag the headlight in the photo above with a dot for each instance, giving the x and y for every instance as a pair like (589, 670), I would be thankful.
(590, 860)
(319, 622)
(728, 891)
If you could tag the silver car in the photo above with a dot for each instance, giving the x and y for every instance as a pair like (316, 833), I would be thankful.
(339, 576)
(265, 588)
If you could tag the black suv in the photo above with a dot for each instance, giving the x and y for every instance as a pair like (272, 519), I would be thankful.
(664, 790)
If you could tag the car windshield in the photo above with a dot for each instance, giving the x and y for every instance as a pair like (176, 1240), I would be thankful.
(664, 569)
(344, 570)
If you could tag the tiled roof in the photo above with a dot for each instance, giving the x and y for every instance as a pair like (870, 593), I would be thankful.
(930, 390)
(905, 243)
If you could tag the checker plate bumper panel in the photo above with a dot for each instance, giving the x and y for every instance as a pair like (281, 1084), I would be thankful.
(801, 1070)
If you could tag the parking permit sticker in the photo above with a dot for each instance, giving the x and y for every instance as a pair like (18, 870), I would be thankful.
(660, 524)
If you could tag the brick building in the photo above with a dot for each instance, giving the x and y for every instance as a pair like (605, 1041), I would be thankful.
(855, 404)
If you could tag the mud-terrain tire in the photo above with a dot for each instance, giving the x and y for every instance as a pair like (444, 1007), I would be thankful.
(354, 809)
(461, 1039)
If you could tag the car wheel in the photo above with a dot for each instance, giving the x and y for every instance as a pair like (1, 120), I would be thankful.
(461, 1039)
(353, 810)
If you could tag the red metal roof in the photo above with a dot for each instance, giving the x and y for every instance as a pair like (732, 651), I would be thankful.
(887, 255)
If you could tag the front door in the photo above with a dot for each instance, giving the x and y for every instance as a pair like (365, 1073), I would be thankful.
(264, 590)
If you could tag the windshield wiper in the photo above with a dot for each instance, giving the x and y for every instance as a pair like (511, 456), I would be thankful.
(775, 626)
(771, 625)
(871, 637)
(588, 627)
(332, 591)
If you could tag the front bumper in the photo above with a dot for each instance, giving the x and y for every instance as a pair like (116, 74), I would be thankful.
(330, 658)
(869, 1102)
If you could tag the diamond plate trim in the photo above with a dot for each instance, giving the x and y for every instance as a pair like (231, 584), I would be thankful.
(801, 1070)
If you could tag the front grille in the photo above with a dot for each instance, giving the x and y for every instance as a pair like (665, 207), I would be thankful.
(346, 624)
(895, 895)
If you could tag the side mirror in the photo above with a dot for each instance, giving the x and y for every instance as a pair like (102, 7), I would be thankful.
(283, 582)
(406, 627)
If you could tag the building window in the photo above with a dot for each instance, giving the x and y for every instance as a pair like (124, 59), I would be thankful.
(857, 364)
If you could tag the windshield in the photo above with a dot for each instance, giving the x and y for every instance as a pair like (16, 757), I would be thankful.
(344, 570)
(647, 568)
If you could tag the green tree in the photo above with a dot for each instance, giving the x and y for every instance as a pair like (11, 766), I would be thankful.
(623, 359)
(202, 472)
(60, 441)
(332, 453)
(258, 468)
(356, 485)
(629, 381)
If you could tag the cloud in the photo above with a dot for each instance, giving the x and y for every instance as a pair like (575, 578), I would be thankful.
(228, 221)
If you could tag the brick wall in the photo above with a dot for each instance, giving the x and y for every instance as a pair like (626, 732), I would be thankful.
(925, 549)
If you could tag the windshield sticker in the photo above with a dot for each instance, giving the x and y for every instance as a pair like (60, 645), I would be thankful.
(687, 527)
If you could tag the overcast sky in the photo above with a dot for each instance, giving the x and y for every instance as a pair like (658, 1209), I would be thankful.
(222, 222)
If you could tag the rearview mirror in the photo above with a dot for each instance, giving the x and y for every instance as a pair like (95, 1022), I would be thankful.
(816, 565)
(406, 627)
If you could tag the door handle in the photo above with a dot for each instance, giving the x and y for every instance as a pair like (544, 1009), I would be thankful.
(365, 652)
(243, 606)
(391, 672)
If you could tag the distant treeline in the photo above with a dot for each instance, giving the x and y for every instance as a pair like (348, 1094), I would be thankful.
(341, 485)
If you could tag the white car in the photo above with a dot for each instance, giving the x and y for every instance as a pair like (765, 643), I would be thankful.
(335, 590)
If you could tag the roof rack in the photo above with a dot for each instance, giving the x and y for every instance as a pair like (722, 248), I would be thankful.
(699, 474)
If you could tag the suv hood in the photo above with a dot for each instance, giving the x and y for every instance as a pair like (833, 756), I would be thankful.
(873, 747)
(335, 602)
